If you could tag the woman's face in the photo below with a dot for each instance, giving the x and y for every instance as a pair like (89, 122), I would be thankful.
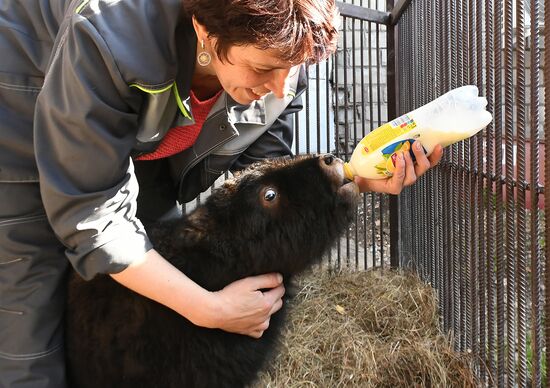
(249, 73)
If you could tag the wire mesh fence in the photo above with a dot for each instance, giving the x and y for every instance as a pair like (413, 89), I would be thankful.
(474, 227)
(478, 234)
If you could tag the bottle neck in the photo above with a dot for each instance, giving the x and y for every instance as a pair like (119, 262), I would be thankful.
(348, 172)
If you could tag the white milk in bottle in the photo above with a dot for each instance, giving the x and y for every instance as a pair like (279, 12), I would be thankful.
(454, 116)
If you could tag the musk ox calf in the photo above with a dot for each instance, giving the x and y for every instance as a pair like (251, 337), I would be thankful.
(277, 216)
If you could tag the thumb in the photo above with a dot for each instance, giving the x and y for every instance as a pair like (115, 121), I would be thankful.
(399, 173)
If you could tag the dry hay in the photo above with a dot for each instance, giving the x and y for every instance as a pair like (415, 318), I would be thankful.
(376, 328)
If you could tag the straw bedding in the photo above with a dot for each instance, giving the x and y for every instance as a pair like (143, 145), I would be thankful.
(376, 328)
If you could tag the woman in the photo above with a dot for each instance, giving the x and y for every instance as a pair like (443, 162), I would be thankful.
(100, 98)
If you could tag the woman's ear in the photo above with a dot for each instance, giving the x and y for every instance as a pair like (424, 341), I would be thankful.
(203, 36)
(200, 30)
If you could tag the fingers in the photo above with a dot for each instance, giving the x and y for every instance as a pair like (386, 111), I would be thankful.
(246, 305)
(406, 171)
(275, 298)
(259, 331)
(422, 162)
(256, 334)
(394, 185)
(436, 155)
(270, 280)
(411, 172)
(425, 163)
(273, 303)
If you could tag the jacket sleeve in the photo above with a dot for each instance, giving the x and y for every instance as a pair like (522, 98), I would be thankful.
(84, 129)
(276, 142)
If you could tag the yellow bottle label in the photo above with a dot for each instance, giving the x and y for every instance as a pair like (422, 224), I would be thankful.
(387, 133)
(387, 166)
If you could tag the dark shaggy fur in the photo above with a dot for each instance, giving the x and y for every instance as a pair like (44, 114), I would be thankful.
(116, 338)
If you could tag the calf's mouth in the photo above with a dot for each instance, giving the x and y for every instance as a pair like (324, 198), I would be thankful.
(334, 168)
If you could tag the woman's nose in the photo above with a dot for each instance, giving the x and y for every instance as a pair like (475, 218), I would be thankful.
(279, 83)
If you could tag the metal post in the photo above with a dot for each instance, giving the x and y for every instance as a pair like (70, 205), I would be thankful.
(547, 171)
(393, 109)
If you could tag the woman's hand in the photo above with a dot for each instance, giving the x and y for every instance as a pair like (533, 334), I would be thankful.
(241, 307)
(244, 308)
(406, 171)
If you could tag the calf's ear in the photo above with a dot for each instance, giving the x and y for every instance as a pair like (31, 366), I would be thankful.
(193, 230)
(188, 236)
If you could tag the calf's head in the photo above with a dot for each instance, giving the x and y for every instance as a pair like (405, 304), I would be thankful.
(278, 215)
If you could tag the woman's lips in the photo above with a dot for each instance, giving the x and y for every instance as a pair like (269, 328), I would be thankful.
(252, 95)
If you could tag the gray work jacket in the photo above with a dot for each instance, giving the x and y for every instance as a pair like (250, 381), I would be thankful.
(117, 79)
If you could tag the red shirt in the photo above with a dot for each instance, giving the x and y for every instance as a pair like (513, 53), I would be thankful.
(180, 138)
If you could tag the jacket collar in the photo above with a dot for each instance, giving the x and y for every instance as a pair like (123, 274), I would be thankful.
(248, 114)
(255, 113)
(186, 43)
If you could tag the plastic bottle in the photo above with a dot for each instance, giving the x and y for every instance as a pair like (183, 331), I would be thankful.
(454, 116)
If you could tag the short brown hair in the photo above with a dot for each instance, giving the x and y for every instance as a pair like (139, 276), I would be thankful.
(301, 30)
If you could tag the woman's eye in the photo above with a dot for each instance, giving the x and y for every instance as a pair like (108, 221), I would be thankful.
(270, 195)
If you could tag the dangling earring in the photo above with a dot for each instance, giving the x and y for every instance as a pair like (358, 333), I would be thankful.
(204, 57)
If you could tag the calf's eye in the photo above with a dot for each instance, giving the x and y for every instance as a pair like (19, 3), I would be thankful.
(270, 195)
